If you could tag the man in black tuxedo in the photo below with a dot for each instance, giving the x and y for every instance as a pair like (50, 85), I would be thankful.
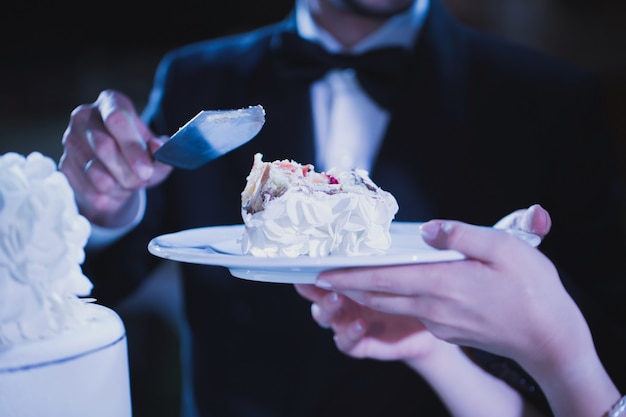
(458, 125)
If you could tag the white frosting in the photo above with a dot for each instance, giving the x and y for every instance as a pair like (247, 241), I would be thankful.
(78, 373)
(42, 239)
(290, 210)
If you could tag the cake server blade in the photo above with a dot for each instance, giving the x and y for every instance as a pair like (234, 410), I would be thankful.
(209, 135)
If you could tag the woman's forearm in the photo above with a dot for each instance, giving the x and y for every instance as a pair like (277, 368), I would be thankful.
(466, 389)
(581, 389)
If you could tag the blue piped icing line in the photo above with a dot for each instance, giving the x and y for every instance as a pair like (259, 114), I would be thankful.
(62, 360)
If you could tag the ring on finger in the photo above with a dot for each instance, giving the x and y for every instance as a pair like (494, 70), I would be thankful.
(88, 164)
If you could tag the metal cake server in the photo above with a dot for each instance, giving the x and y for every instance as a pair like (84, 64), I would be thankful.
(209, 135)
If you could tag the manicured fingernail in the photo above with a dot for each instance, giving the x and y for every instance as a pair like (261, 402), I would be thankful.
(544, 215)
(320, 283)
(430, 230)
(315, 309)
(144, 171)
(315, 313)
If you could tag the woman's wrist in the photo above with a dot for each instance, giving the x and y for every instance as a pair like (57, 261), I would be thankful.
(580, 388)
(618, 409)
(465, 388)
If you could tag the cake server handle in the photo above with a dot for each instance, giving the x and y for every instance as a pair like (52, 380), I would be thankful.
(209, 135)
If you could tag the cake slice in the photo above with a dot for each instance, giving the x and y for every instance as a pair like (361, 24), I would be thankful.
(290, 210)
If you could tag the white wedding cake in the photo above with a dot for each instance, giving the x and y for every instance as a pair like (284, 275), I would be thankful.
(60, 354)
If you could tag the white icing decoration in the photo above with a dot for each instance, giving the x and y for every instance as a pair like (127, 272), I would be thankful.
(42, 239)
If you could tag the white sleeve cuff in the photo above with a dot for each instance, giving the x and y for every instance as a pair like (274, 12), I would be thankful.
(102, 237)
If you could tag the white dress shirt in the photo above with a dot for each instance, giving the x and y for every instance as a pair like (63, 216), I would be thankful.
(349, 126)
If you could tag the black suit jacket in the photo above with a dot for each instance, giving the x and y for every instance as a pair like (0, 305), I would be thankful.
(479, 128)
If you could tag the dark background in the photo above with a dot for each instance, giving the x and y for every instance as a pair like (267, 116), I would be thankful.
(57, 55)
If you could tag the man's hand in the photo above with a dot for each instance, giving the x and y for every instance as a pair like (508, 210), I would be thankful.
(107, 156)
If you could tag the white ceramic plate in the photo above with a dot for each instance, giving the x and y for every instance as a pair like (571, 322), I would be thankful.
(219, 245)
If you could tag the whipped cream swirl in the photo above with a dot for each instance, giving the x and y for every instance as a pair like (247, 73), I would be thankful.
(42, 239)
(348, 215)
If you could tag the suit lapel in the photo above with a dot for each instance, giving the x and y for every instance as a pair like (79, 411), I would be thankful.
(288, 132)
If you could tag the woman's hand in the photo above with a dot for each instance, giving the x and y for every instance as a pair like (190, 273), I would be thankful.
(506, 298)
(362, 332)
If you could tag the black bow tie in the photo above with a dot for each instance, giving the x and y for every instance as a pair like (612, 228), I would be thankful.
(378, 71)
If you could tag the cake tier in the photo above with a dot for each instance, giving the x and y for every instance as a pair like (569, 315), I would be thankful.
(82, 373)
